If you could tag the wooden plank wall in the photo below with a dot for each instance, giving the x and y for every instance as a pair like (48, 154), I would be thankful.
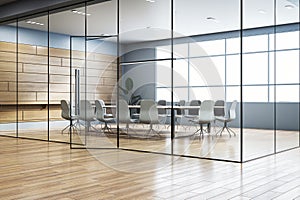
(33, 79)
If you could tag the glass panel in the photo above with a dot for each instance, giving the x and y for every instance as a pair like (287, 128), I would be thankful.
(8, 83)
(145, 29)
(33, 78)
(144, 83)
(180, 72)
(255, 43)
(287, 72)
(233, 45)
(207, 71)
(255, 68)
(258, 113)
(59, 73)
(233, 70)
(145, 37)
(287, 67)
(285, 40)
(207, 33)
(214, 47)
(98, 77)
(255, 94)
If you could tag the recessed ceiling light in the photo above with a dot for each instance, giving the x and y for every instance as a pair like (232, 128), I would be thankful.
(33, 22)
(150, 1)
(289, 6)
(212, 19)
(80, 13)
(262, 11)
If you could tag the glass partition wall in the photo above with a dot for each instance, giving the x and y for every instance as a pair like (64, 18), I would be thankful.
(8, 84)
(207, 53)
(32, 89)
(204, 79)
(142, 72)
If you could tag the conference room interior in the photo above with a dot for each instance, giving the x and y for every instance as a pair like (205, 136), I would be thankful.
(245, 51)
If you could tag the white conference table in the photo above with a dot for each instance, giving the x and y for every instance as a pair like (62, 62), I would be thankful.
(163, 107)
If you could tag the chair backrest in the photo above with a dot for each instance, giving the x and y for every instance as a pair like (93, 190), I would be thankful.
(124, 115)
(99, 109)
(103, 105)
(148, 112)
(86, 111)
(206, 111)
(181, 103)
(162, 103)
(65, 109)
(194, 111)
(232, 114)
(219, 109)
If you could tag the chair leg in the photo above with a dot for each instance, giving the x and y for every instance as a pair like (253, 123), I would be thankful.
(230, 130)
(67, 127)
(151, 130)
(106, 127)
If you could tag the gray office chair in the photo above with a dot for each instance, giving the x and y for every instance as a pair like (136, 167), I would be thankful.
(100, 116)
(124, 114)
(87, 114)
(206, 115)
(193, 112)
(67, 115)
(179, 113)
(149, 114)
(219, 108)
(227, 119)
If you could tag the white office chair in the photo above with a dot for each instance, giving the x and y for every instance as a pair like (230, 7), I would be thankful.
(149, 114)
(124, 114)
(87, 114)
(162, 112)
(104, 109)
(100, 116)
(226, 119)
(66, 114)
(206, 115)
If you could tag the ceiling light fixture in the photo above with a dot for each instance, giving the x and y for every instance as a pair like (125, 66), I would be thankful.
(33, 22)
(150, 1)
(80, 13)
(262, 11)
(212, 19)
(289, 6)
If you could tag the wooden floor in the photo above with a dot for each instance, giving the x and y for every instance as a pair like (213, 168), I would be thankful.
(39, 170)
(256, 142)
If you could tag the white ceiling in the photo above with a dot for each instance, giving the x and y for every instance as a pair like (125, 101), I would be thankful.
(141, 20)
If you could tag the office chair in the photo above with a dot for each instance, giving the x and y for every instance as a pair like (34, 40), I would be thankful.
(87, 114)
(100, 116)
(206, 115)
(149, 114)
(226, 120)
(66, 114)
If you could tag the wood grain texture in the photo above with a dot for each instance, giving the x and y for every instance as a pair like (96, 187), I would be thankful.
(40, 170)
(33, 74)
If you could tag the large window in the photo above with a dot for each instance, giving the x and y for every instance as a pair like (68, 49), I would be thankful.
(260, 75)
